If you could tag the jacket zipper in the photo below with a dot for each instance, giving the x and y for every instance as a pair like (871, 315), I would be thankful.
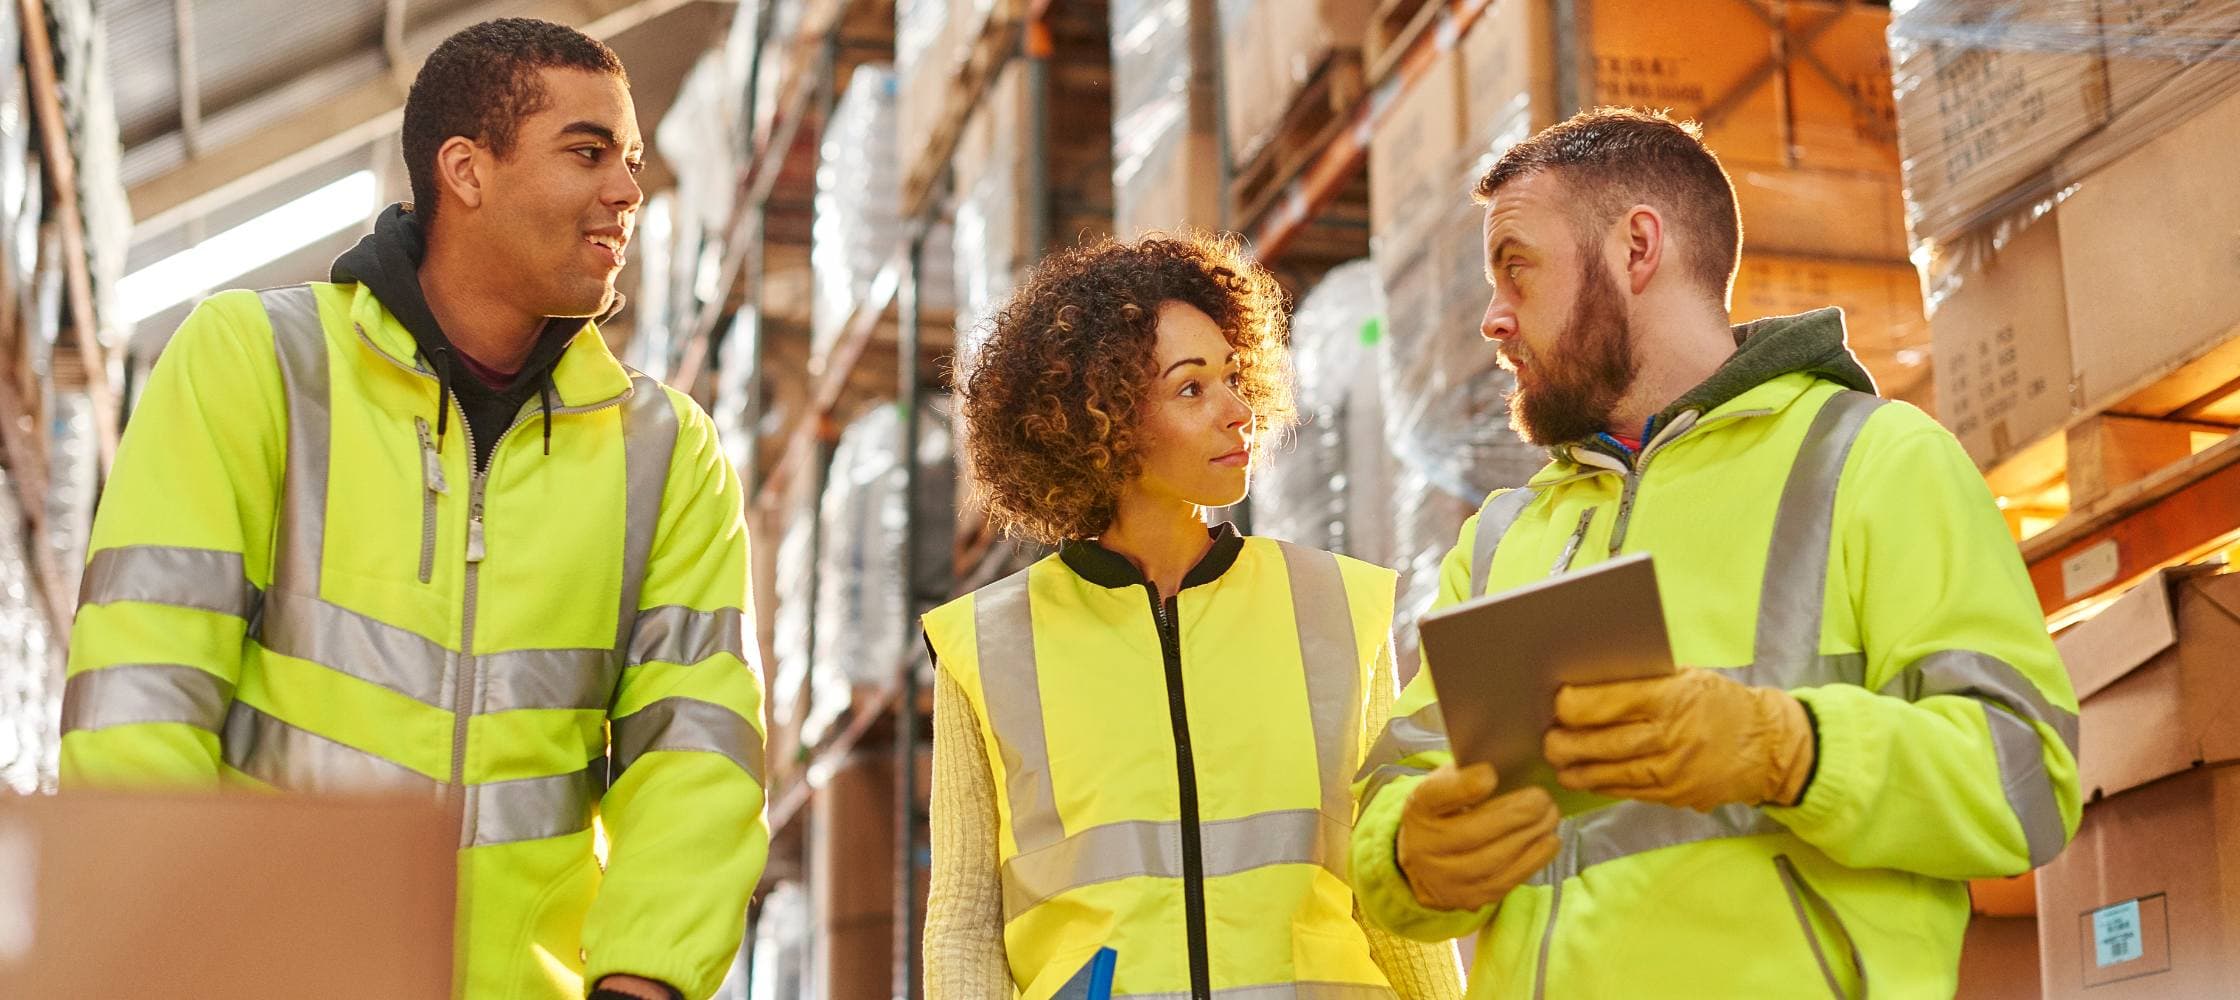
(432, 486)
(1186, 773)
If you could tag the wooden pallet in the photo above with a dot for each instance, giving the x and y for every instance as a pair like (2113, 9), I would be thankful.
(1321, 112)
(2104, 458)
(1393, 29)
(998, 40)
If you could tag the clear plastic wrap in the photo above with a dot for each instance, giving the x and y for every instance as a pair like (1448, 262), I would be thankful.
(2005, 105)
(1302, 494)
(772, 75)
(73, 473)
(1445, 405)
(735, 376)
(859, 224)
(991, 185)
(861, 619)
(700, 136)
(793, 623)
(30, 663)
(89, 106)
(1270, 51)
(781, 945)
(1164, 170)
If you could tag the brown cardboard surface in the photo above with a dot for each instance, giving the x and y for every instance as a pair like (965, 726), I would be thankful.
(1820, 213)
(1691, 59)
(1270, 51)
(2148, 42)
(1999, 959)
(1508, 82)
(1178, 187)
(1881, 305)
(1849, 122)
(2159, 232)
(1417, 167)
(2001, 344)
(1989, 93)
(2173, 846)
(2179, 707)
(241, 896)
(2123, 637)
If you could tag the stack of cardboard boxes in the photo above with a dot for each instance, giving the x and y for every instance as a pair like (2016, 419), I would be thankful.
(2146, 900)
(1166, 144)
(2070, 192)
(933, 43)
(1797, 104)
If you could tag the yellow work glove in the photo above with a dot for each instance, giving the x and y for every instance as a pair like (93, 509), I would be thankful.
(1462, 847)
(1697, 739)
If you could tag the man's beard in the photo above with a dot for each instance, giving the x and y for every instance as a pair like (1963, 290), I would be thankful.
(1578, 384)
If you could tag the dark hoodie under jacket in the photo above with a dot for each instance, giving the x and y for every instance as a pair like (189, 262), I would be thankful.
(1811, 342)
(388, 263)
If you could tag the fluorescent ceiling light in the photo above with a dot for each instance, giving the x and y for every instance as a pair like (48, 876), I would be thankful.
(246, 247)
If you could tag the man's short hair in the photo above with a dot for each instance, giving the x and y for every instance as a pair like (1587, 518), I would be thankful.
(1611, 159)
(482, 83)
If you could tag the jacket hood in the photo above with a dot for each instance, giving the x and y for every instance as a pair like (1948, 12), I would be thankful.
(1766, 349)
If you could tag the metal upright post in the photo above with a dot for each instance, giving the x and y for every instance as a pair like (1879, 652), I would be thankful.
(906, 699)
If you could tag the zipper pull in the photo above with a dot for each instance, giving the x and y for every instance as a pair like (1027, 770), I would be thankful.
(474, 528)
(431, 460)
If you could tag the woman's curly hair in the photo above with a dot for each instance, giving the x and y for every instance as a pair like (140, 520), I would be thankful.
(1053, 397)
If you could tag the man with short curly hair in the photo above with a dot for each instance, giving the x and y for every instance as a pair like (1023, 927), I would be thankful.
(416, 529)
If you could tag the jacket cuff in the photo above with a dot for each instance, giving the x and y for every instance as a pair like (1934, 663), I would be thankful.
(1383, 888)
(1839, 733)
(674, 973)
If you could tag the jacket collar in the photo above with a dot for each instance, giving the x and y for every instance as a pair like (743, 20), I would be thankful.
(586, 375)
(1112, 571)
(1769, 398)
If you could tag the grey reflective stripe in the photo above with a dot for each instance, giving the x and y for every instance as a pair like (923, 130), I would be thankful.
(204, 579)
(1421, 731)
(1547, 938)
(505, 812)
(649, 439)
(300, 341)
(581, 679)
(1278, 991)
(1003, 627)
(1153, 848)
(1331, 658)
(1811, 671)
(355, 645)
(2011, 704)
(289, 757)
(133, 693)
(1796, 580)
(1803, 896)
(1630, 828)
(169, 575)
(1976, 675)
(1499, 513)
(689, 724)
(676, 634)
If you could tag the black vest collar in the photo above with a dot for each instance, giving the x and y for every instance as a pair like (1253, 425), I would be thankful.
(1111, 570)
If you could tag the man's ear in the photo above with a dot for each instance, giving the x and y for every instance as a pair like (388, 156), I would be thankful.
(460, 164)
(1644, 241)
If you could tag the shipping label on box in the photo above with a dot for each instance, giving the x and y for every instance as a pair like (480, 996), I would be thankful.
(2001, 347)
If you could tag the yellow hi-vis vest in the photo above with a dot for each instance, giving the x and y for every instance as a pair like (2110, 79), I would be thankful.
(1175, 776)
(295, 586)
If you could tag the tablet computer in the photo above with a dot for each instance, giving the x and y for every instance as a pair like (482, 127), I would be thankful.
(1497, 661)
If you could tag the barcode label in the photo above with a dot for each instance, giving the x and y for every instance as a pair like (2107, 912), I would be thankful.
(2115, 934)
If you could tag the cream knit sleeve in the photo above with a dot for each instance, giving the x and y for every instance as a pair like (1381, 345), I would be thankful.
(964, 909)
(1416, 970)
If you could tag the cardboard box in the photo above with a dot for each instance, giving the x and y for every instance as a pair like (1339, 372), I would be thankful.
(1989, 94)
(2149, 43)
(1821, 213)
(1271, 50)
(1508, 84)
(260, 897)
(1417, 165)
(1166, 148)
(2156, 678)
(2159, 233)
(1999, 959)
(2145, 903)
(1846, 118)
(2001, 343)
(1881, 305)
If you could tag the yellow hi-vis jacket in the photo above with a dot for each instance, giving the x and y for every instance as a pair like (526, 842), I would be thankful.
(293, 586)
(1811, 538)
(1175, 774)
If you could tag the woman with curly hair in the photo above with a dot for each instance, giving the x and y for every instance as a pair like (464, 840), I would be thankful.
(1145, 743)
